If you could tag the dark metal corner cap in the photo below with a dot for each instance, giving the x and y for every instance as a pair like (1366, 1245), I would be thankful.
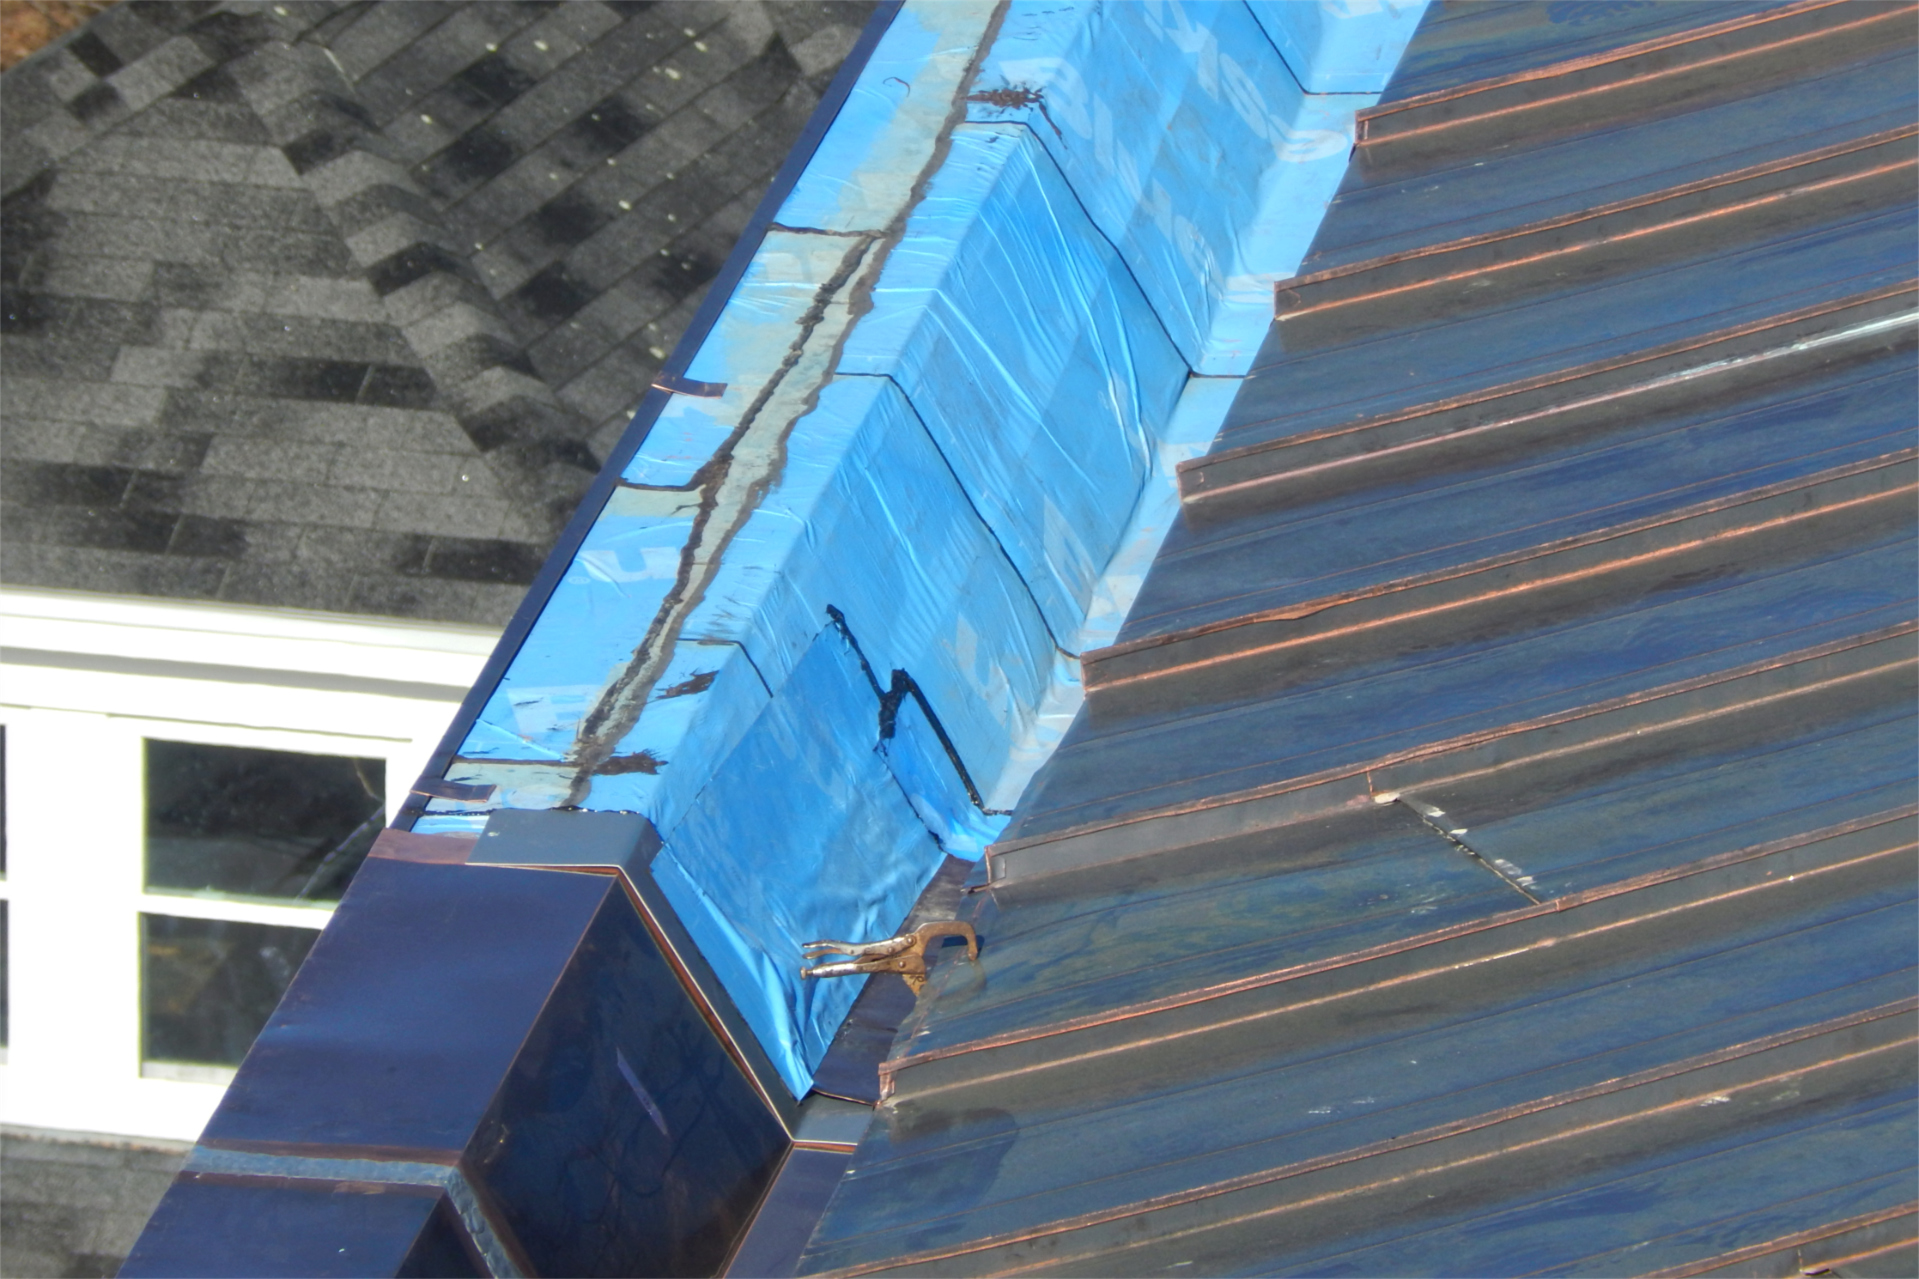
(567, 838)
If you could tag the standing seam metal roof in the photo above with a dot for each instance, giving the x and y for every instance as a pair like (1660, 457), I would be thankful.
(1488, 848)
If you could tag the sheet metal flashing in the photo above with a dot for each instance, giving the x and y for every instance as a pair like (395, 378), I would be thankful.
(814, 563)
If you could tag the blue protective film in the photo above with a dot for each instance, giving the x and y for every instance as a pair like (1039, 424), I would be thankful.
(828, 625)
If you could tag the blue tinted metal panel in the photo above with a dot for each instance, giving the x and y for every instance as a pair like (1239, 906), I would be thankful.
(428, 975)
(1531, 890)
(210, 1226)
(857, 855)
(517, 1039)
(624, 1140)
(1462, 43)
(1289, 392)
(1339, 48)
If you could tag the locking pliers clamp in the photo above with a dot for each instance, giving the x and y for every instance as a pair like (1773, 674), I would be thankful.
(904, 954)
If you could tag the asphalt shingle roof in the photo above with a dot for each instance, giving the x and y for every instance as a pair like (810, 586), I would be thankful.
(339, 306)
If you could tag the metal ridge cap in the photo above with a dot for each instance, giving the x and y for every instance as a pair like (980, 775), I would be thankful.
(1464, 741)
(1763, 169)
(1570, 65)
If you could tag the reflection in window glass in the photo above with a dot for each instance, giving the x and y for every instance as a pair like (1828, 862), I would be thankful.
(208, 986)
(259, 823)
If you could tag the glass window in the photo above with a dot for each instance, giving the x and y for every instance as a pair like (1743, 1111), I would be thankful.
(208, 985)
(237, 820)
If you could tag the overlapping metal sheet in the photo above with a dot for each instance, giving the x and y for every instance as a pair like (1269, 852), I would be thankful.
(1489, 848)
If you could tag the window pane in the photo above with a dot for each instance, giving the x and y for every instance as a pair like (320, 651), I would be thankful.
(208, 985)
(259, 823)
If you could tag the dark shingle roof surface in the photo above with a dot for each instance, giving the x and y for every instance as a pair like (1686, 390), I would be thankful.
(339, 306)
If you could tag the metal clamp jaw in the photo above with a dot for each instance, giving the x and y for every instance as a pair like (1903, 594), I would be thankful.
(904, 954)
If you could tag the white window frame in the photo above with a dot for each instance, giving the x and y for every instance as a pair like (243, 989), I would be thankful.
(123, 672)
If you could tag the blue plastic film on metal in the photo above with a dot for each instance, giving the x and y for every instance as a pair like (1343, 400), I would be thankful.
(1004, 305)
(1192, 146)
(801, 834)
(828, 624)
(1340, 46)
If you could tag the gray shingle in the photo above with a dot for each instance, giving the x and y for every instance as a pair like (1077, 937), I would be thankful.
(89, 234)
(727, 106)
(398, 472)
(514, 195)
(431, 125)
(308, 503)
(432, 292)
(395, 232)
(438, 55)
(272, 543)
(430, 598)
(113, 572)
(626, 307)
(598, 71)
(320, 297)
(381, 31)
(353, 172)
(558, 35)
(330, 590)
(39, 439)
(226, 496)
(181, 258)
(179, 158)
(154, 366)
(364, 208)
(171, 199)
(300, 336)
(65, 75)
(454, 514)
(268, 250)
(44, 358)
(55, 137)
(89, 402)
(355, 550)
(160, 72)
(144, 450)
(614, 385)
(433, 333)
(125, 30)
(272, 168)
(118, 279)
(357, 425)
(570, 348)
(199, 121)
(822, 52)
(26, 98)
(257, 459)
